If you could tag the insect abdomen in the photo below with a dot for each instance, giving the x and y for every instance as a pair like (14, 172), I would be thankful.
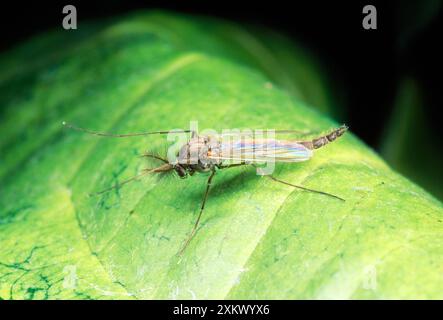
(323, 140)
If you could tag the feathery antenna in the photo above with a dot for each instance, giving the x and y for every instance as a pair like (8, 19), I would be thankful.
(162, 168)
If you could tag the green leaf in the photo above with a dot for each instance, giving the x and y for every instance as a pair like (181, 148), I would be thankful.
(256, 239)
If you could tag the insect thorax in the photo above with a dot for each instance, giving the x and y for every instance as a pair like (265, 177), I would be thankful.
(194, 155)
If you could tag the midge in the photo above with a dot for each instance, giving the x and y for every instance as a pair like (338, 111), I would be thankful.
(208, 153)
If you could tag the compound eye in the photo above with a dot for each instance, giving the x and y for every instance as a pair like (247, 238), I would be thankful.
(181, 172)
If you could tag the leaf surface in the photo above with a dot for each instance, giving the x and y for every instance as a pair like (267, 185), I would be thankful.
(257, 239)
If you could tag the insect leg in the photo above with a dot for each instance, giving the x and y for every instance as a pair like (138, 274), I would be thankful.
(194, 229)
(304, 188)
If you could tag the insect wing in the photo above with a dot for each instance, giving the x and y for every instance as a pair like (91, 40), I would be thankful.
(262, 150)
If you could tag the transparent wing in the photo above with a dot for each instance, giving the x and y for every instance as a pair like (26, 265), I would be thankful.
(251, 133)
(261, 150)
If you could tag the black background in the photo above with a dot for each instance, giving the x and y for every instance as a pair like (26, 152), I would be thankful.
(279, 309)
(368, 62)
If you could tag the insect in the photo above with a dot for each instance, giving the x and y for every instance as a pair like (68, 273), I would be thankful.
(210, 153)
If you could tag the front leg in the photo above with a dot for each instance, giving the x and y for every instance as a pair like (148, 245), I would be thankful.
(194, 229)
